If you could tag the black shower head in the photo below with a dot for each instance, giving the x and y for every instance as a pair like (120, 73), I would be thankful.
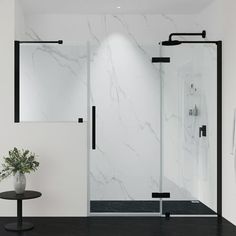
(170, 43)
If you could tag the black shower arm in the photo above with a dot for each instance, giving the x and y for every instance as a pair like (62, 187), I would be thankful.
(203, 34)
(48, 42)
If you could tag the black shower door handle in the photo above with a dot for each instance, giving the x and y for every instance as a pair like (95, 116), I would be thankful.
(93, 127)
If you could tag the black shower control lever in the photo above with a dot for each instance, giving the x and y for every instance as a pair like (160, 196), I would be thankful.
(203, 131)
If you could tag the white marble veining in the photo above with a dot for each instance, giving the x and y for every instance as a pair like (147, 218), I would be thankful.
(126, 91)
(125, 87)
(53, 82)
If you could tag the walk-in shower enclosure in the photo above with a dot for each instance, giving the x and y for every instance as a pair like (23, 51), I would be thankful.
(155, 128)
(152, 127)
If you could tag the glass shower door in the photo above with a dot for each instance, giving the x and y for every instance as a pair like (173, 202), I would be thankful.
(124, 165)
(189, 101)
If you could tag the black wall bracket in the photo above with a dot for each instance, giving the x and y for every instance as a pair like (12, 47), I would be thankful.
(160, 195)
(161, 60)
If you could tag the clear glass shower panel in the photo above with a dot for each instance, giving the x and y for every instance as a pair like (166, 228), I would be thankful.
(189, 128)
(124, 167)
(53, 82)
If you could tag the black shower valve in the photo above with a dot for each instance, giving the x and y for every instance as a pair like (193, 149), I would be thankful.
(203, 131)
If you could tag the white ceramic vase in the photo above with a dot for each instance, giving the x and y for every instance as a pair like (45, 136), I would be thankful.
(19, 182)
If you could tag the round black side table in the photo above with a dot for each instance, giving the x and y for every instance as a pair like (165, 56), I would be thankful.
(11, 195)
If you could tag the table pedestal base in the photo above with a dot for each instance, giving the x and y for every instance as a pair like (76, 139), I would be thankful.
(19, 227)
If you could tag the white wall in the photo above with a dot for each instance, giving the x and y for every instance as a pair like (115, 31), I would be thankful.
(62, 177)
(19, 21)
(229, 104)
(219, 18)
(141, 29)
(64, 183)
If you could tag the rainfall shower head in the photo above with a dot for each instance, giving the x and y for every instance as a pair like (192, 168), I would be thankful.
(170, 43)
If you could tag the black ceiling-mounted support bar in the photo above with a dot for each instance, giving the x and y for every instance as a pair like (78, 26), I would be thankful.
(58, 41)
(202, 34)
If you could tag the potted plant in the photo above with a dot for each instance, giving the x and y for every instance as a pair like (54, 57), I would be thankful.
(18, 163)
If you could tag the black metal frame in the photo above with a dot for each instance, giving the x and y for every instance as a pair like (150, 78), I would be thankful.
(17, 83)
(219, 128)
(58, 41)
(17, 74)
(219, 118)
(219, 106)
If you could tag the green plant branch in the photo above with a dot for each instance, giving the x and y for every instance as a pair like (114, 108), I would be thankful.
(22, 161)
